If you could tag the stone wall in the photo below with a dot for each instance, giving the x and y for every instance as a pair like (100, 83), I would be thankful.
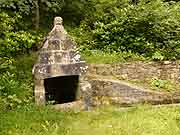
(139, 70)
(105, 88)
(106, 84)
(107, 91)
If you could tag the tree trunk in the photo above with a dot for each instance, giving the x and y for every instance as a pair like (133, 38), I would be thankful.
(37, 14)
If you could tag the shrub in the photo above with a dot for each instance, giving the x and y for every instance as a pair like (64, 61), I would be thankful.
(13, 92)
(15, 83)
(14, 41)
(150, 28)
(18, 42)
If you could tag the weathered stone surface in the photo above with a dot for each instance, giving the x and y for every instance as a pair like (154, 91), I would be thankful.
(75, 106)
(57, 57)
(106, 91)
(53, 70)
(58, 53)
(118, 92)
(169, 70)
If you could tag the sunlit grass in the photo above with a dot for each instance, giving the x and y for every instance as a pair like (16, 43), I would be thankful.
(100, 57)
(142, 120)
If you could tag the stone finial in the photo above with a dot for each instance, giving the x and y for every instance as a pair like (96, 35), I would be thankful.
(58, 21)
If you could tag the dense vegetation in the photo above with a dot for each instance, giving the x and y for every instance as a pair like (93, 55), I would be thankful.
(111, 31)
(149, 28)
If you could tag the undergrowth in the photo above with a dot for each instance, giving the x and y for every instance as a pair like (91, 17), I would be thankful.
(16, 84)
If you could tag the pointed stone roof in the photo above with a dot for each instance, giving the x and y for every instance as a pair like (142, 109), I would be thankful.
(59, 55)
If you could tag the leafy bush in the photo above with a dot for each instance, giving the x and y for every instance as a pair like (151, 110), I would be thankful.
(14, 41)
(16, 79)
(150, 28)
(13, 38)
(11, 102)
(16, 84)
(18, 42)
(13, 92)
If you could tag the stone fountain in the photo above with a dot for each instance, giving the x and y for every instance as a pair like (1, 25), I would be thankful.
(59, 70)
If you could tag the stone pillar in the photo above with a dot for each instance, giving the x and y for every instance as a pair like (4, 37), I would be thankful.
(39, 92)
(86, 93)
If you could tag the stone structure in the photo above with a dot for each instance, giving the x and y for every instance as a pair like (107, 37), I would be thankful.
(107, 88)
(108, 91)
(58, 73)
(59, 76)
(168, 70)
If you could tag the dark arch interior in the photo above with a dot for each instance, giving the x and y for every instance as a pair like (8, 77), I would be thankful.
(61, 89)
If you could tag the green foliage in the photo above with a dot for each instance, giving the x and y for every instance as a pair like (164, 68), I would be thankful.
(163, 84)
(10, 85)
(150, 28)
(157, 56)
(75, 11)
(6, 63)
(6, 24)
(13, 41)
(27, 7)
(16, 78)
(11, 102)
(18, 42)
(72, 11)
(13, 93)
(20, 6)
(16, 86)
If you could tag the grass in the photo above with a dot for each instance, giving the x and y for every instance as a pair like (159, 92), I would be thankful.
(109, 120)
(100, 57)
(156, 84)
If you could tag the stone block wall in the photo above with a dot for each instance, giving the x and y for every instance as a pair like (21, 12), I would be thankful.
(106, 91)
(106, 86)
(168, 70)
